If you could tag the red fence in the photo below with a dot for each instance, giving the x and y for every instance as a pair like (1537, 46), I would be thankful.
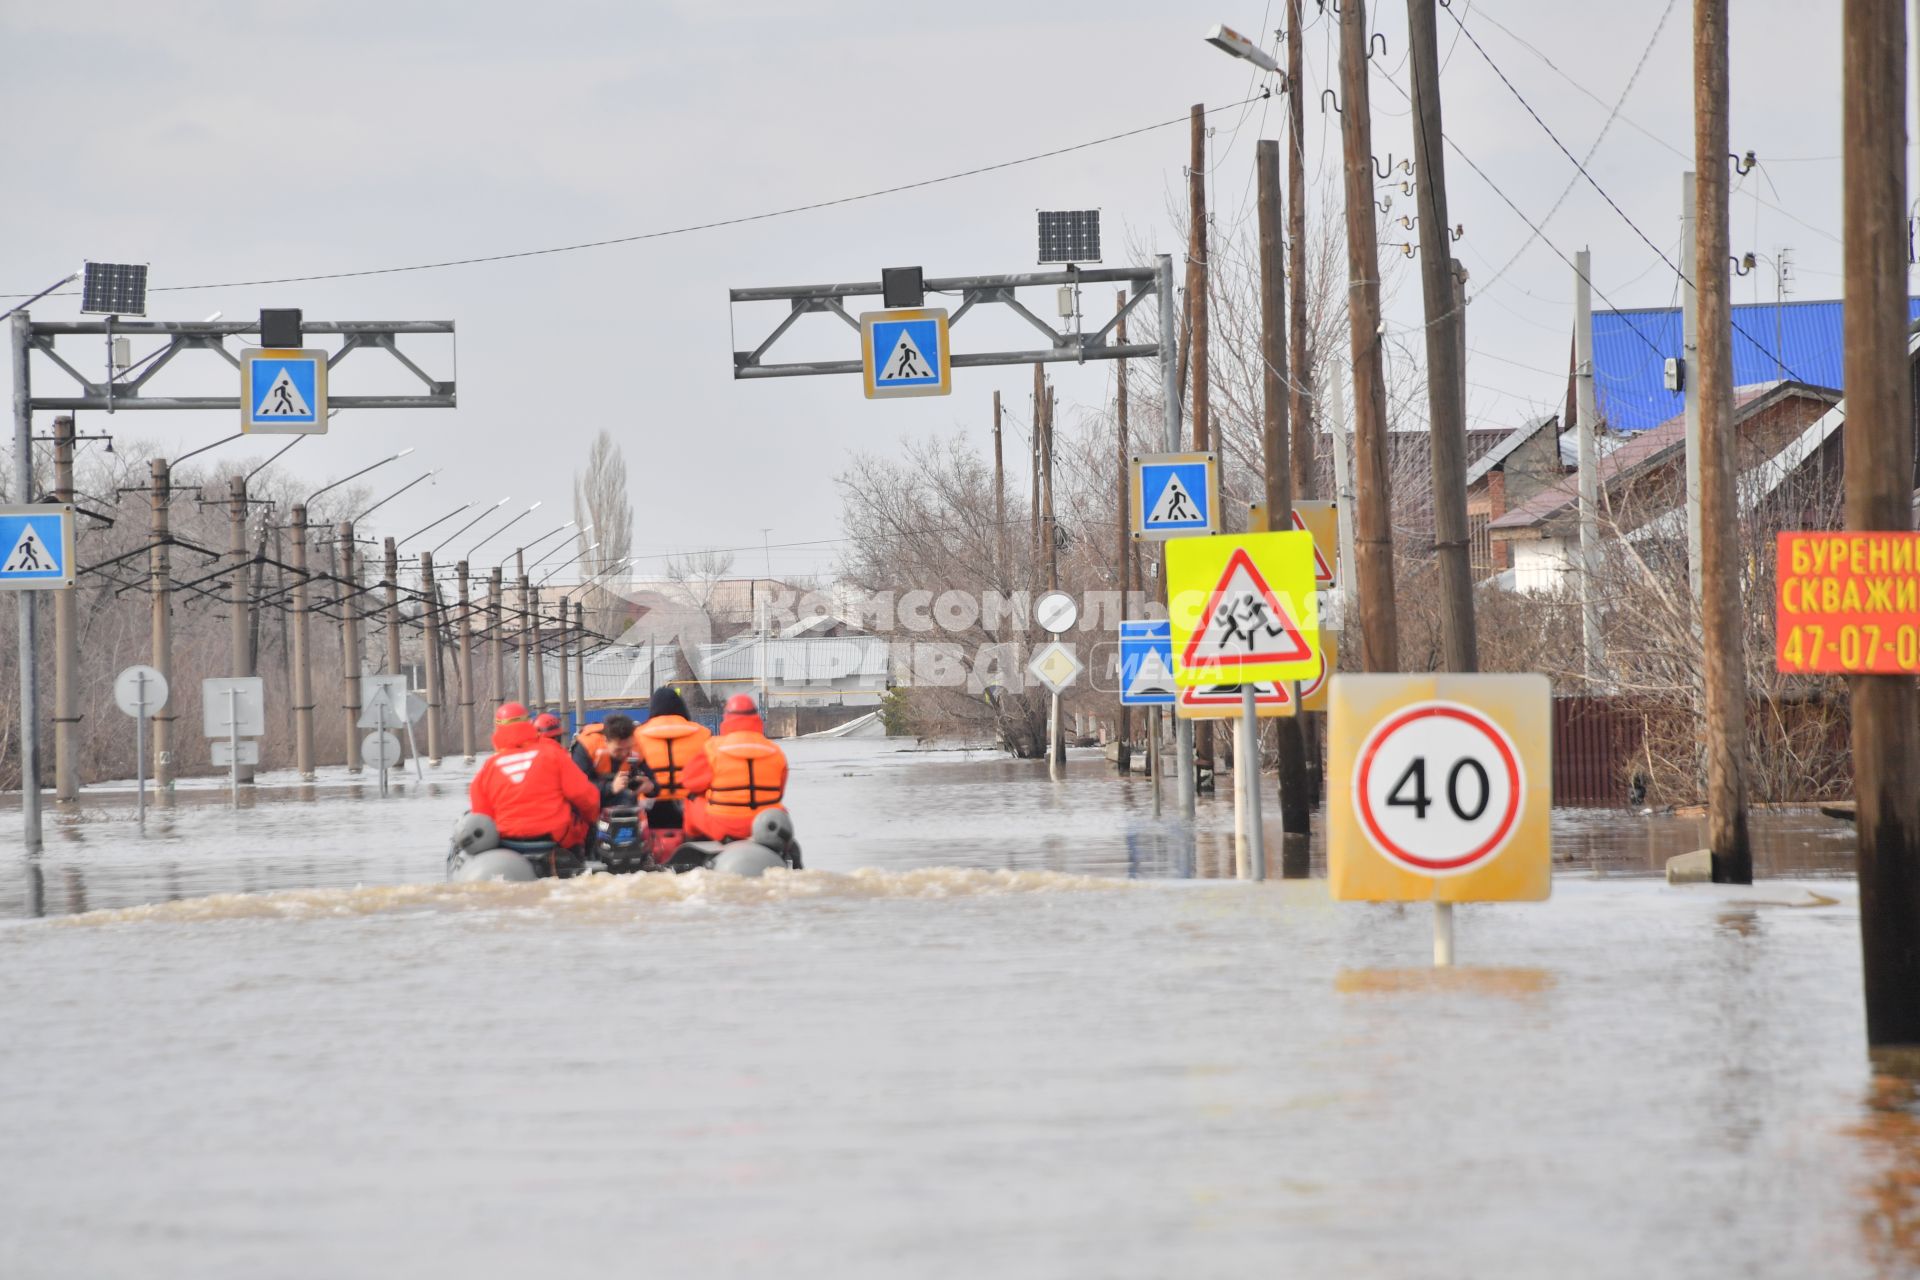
(1595, 743)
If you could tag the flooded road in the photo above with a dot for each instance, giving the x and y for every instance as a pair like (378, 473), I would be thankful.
(1002, 1028)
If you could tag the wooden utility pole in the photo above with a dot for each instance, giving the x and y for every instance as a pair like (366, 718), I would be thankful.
(1002, 570)
(66, 638)
(1373, 521)
(240, 595)
(1586, 423)
(1446, 403)
(302, 650)
(1123, 533)
(1292, 751)
(1879, 475)
(1300, 406)
(1197, 283)
(1724, 659)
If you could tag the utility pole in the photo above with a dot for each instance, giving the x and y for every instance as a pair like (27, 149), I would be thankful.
(1000, 501)
(496, 641)
(1724, 659)
(240, 593)
(1199, 326)
(350, 642)
(1057, 733)
(566, 691)
(466, 664)
(392, 584)
(302, 651)
(1300, 407)
(1033, 487)
(580, 665)
(1292, 748)
(1170, 412)
(1373, 531)
(525, 688)
(1446, 403)
(66, 639)
(430, 633)
(1879, 477)
(1586, 423)
(160, 589)
(1123, 533)
(538, 651)
(1690, 378)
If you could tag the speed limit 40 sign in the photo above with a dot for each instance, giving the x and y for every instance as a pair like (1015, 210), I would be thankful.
(1439, 787)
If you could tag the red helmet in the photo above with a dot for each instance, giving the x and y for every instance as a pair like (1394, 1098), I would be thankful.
(741, 704)
(510, 713)
(547, 725)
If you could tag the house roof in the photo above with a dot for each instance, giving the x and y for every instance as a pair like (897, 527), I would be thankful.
(1637, 452)
(1630, 350)
(1513, 440)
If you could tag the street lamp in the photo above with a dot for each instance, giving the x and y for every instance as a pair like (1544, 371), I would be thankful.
(396, 493)
(502, 529)
(469, 524)
(563, 564)
(356, 475)
(442, 520)
(1228, 40)
(542, 538)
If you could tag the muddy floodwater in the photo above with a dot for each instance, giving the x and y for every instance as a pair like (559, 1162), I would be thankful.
(1001, 1027)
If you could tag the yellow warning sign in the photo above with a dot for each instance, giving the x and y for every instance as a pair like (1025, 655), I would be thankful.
(1318, 519)
(1243, 608)
(1439, 788)
(1313, 690)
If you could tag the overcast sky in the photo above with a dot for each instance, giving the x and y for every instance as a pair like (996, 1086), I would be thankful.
(225, 142)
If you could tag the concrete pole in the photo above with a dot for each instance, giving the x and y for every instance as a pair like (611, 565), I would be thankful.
(580, 663)
(525, 689)
(302, 650)
(1206, 433)
(1300, 402)
(22, 336)
(1122, 525)
(430, 633)
(1003, 558)
(1344, 502)
(539, 655)
(566, 680)
(160, 593)
(496, 641)
(1373, 521)
(392, 584)
(239, 595)
(1586, 424)
(66, 639)
(466, 666)
(1170, 409)
(1446, 401)
(350, 643)
(1290, 744)
(1879, 475)
(1724, 664)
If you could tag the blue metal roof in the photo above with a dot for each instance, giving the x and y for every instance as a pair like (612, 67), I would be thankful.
(1629, 373)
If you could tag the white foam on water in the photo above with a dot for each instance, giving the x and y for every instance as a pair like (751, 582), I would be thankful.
(599, 894)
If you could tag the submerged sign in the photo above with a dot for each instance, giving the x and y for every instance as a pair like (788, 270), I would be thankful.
(1847, 603)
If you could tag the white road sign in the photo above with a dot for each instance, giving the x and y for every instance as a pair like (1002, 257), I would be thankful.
(1056, 611)
(1056, 666)
(380, 750)
(378, 693)
(218, 704)
(223, 752)
(140, 691)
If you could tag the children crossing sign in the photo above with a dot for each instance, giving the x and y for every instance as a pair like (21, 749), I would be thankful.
(283, 392)
(1243, 609)
(37, 545)
(1174, 495)
(1224, 701)
(904, 352)
(1146, 664)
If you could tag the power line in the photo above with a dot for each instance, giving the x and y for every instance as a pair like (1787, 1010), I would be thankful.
(689, 229)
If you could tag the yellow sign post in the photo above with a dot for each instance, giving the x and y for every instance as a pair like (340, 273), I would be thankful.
(1439, 789)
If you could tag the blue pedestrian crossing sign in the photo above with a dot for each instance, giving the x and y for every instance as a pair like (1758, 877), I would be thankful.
(1174, 495)
(36, 547)
(904, 353)
(1146, 664)
(283, 392)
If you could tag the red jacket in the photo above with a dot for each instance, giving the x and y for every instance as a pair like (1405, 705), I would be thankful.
(531, 788)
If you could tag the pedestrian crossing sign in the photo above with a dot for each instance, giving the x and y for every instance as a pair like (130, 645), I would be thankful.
(283, 392)
(904, 352)
(36, 547)
(1174, 495)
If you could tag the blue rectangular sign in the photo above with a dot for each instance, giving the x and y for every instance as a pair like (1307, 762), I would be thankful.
(36, 546)
(1146, 664)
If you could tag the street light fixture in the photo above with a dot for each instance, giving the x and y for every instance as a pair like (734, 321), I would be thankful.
(502, 529)
(442, 520)
(1228, 40)
(396, 493)
(356, 475)
(476, 520)
(564, 564)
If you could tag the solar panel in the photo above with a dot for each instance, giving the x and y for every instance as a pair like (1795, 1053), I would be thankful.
(114, 289)
(1070, 235)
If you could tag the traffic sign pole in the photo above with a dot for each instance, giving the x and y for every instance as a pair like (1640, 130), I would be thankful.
(22, 340)
(1443, 935)
(1170, 406)
(1248, 767)
(233, 743)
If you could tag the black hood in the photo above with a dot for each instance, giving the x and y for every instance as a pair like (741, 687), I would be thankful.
(666, 702)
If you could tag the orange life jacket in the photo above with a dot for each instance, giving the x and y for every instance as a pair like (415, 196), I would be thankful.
(667, 743)
(749, 774)
(594, 738)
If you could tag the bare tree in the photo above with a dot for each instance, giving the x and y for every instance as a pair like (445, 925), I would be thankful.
(605, 518)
